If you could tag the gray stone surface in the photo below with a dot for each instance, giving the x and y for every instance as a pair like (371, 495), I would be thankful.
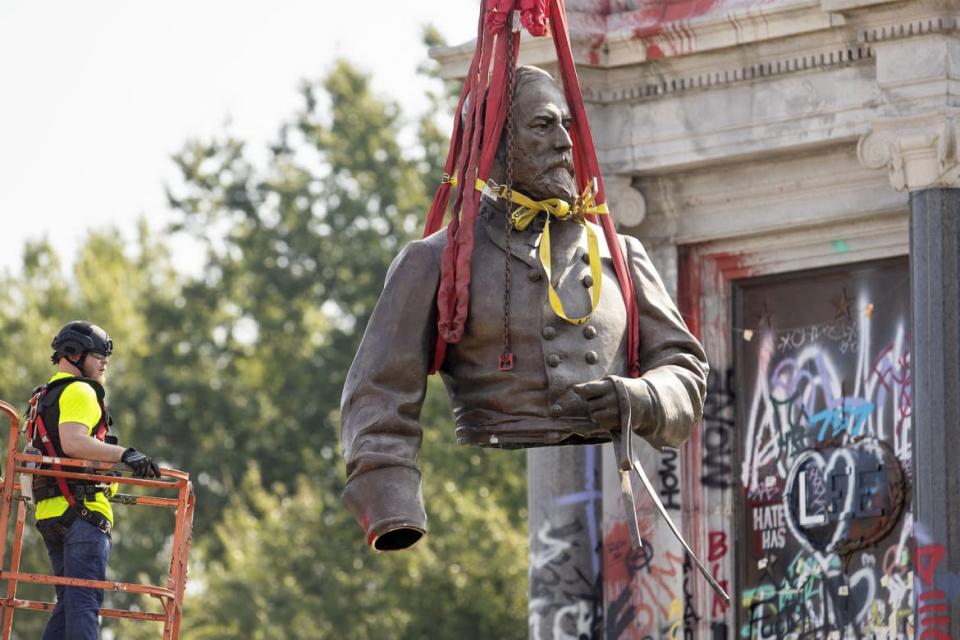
(564, 502)
(935, 274)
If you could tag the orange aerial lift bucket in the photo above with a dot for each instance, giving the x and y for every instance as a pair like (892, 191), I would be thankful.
(170, 596)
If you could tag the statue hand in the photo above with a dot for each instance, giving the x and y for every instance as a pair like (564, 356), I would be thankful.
(603, 406)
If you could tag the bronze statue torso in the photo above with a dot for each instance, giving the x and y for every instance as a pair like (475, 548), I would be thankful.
(532, 404)
(539, 401)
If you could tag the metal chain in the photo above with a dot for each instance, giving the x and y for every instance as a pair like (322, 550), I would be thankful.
(506, 358)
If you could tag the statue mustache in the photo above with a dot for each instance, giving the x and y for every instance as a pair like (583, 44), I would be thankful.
(563, 163)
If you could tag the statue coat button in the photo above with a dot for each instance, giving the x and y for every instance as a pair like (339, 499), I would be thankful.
(587, 280)
(592, 357)
(556, 410)
(586, 258)
(533, 275)
(589, 332)
(548, 333)
(553, 360)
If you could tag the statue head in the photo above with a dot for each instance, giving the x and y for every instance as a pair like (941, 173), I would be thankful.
(542, 148)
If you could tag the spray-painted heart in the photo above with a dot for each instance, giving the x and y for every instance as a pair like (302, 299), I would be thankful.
(838, 499)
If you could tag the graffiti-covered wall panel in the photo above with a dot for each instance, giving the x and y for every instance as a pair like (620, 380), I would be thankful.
(646, 590)
(824, 430)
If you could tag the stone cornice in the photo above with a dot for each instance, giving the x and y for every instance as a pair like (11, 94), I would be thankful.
(849, 6)
(908, 28)
(812, 60)
(918, 152)
(855, 28)
(838, 49)
(540, 52)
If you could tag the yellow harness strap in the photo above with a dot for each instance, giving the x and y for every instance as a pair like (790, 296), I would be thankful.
(529, 209)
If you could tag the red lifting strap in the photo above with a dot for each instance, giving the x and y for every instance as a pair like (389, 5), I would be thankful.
(486, 78)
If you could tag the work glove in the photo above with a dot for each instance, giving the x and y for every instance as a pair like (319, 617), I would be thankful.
(141, 464)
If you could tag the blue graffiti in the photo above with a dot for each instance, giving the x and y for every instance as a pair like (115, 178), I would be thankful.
(849, 417)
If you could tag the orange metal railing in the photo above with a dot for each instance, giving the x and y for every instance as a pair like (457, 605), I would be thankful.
(170, 596)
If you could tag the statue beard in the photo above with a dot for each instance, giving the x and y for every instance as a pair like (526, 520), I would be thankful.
(554, 182)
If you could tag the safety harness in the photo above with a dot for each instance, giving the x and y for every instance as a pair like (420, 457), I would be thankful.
(44, 408)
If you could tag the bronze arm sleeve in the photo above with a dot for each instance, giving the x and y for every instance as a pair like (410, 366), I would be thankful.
(380, 408)
(667, 399)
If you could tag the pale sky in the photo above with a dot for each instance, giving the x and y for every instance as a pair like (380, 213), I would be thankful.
(95, 96)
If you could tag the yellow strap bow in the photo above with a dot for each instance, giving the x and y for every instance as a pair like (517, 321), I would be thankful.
(529, 209)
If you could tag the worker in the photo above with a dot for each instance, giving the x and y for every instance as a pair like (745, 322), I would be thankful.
(74, 517)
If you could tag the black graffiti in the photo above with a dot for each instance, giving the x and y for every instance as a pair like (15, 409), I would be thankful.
(717, 456)
(620, 613)
(860, 483)
(669, 480)
(690, 617)
(718, 631)
(776, 616)
(718, 422)
(639, 559)
(785, 611)
(596, 620)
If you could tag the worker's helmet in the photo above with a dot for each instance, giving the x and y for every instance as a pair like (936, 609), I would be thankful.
(78, 338)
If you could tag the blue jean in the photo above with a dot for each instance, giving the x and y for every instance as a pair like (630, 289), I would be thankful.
(78, 551)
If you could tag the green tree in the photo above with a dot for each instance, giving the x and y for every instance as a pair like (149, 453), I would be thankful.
(312, 237)
(297, 567)
(235, 376)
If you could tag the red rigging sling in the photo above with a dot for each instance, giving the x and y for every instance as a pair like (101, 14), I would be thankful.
(472, 147)
(478, 125)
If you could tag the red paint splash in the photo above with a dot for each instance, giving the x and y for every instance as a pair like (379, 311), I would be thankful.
(654, 52)
(732, 266)
(690, 289)
(596, 44)
(617, 549)
(652, 18)
(616, 546)
(658, 24)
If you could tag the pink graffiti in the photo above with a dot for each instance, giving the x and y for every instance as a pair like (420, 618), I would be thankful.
(888, 385)
(718, 550)
(932, 605)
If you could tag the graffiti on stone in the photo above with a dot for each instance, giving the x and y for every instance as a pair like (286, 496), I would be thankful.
(562, 597)
(718, 422)
(670, 479)
(645, 586)
(824, 441)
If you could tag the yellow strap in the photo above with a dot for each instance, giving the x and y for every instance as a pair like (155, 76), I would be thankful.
(523, 215)
(593, 250)
(529, 209)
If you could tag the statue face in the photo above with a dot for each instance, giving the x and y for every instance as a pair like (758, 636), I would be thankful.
(542, 149)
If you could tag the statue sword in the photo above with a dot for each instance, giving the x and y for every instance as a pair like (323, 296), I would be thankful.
(623, 448)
